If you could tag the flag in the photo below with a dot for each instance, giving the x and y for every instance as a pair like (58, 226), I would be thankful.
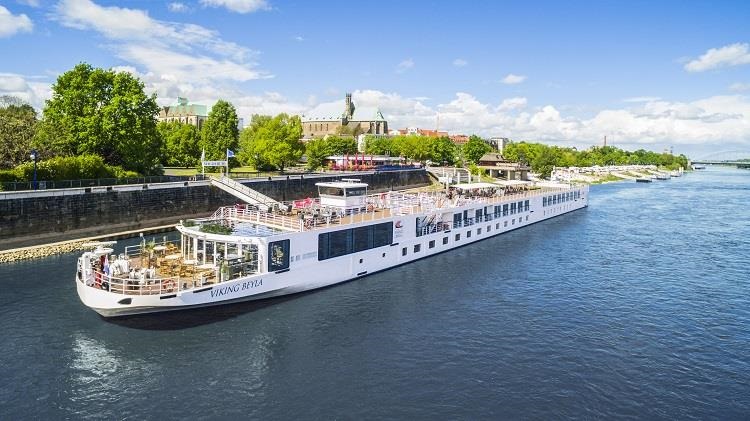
(203, 155)
(230, 154)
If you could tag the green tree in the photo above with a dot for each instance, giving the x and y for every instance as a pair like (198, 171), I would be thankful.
(316, 151)
(102, 112)
(181, 144)
(18, 125)
(220, 132)
(379, 145)
(341, 145)
(475, 148)
(443, 151)
(272, 141)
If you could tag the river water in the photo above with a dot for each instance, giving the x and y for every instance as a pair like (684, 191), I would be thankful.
(637, 307)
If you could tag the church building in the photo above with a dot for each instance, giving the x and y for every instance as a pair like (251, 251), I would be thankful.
(322, 121)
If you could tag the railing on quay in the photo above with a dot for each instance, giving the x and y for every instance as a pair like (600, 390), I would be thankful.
(95, 182)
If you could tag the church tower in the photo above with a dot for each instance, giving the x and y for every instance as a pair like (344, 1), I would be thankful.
(348, 107)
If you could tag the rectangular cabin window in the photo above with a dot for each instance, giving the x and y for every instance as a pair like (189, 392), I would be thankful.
(445, 240)
(404, 251)
(356, 191)
(278, 255)
(456, 220)
(520, 207)
(431, 244)
(544, 201)
(383, 234)
(417, 248)
(363, 238)
(458, 237)
(526, 205)
(478, 215)
(339, 243)
(505, 209)
(513, 208)
(330, 191)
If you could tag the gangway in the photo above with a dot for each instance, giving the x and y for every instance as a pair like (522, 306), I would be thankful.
(244, 193)
(450, 175)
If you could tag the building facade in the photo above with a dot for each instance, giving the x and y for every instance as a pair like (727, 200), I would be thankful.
(183, 111)
(355, 121)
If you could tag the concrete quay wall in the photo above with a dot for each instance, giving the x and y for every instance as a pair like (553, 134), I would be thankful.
(33, 219)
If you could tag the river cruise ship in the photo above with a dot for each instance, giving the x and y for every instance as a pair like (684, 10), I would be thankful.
(246, 252)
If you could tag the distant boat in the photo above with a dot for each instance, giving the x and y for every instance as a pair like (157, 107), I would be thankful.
(699, 167)
(642, 180)
(662, 176)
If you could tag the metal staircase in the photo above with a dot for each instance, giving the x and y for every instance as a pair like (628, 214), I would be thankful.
(244, 193)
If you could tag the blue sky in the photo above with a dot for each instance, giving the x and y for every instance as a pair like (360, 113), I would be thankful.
(646, 74)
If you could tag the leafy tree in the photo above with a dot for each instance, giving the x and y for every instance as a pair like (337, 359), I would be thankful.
(379, 145)
(475, 148)
(220, 132)
(102, 112)
(341, 145)
(443, 151)
(316, 151)
(181, 144)
(272, 141)
(18, 124)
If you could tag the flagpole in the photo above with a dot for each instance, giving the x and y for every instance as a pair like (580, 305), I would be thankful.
(203, 160)
(227, 163)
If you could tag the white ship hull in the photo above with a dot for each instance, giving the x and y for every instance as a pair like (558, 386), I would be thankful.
(307, 272)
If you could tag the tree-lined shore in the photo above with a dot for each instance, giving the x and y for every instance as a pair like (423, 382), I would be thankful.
(101, 123)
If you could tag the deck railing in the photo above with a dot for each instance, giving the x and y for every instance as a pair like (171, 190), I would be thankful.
(378, 206)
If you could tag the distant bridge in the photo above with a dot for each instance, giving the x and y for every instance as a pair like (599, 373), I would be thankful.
(740, 159)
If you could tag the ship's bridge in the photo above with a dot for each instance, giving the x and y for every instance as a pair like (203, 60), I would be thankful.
(347, 195)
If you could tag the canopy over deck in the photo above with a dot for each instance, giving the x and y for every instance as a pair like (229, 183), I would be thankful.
(472, 186)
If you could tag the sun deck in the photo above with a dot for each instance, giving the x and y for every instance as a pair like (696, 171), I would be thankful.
(309, 214)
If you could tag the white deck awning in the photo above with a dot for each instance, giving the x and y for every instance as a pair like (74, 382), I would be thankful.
(471, 186)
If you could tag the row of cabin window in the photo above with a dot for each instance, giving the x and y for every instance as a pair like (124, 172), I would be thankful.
(462, 219)
(342, 242)
(560, 198)
(431, 243)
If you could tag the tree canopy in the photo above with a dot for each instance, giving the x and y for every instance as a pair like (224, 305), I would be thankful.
(475, 148)
(181, 144)
(272, 142)
(102, 112)
(17, 128)
(543, 158)
(220, 132)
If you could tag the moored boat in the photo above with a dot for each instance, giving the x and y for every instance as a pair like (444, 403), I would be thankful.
(244, 253)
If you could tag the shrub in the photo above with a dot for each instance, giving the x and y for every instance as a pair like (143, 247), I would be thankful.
(71, 168)
(8, 176)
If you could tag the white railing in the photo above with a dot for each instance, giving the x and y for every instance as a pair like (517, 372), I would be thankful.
(396, 204)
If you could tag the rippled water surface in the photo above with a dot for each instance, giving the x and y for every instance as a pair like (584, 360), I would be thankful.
(638, 306)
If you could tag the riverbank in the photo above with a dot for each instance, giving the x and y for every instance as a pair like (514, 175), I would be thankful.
(607, 174)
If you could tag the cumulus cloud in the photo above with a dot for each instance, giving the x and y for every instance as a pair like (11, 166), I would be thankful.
(728, 55)
(11, 24)
(173, 59)
(459, 62)
(716, 120)
(512, 79)
(29, 89)
(177, 7)
(513, 103)
(405, 65)
(239, 6)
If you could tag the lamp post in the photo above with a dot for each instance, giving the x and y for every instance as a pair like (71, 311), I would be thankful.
(34, 156)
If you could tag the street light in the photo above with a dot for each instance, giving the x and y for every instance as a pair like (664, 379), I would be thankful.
(34, 156)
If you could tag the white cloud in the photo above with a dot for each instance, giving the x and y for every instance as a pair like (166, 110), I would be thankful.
(177, 7)
(512, 79)
(459, 62)
(728, 55)
(27, 89)
(31, 3)
(513, 104)
(173, 59)
(710, 121)
(11, 24)
(641, 99)
(405, 65)
(299, 38)
(739, 87)
(239, 6)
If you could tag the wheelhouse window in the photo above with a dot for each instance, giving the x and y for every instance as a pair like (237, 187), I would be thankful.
(331, 191)
(278, 255)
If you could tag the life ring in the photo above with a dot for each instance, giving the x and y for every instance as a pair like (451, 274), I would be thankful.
(168, 285)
